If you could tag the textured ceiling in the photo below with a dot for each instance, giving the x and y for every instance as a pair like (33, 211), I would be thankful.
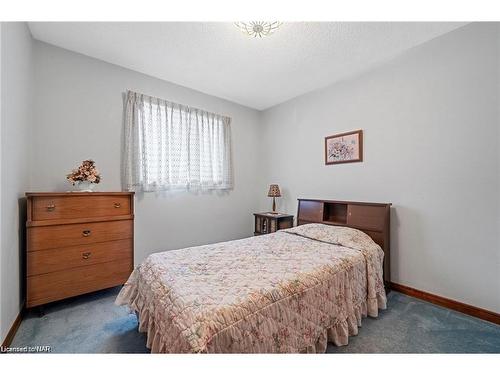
(217, 59)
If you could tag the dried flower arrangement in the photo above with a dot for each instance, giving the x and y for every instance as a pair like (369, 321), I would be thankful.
(85, 172)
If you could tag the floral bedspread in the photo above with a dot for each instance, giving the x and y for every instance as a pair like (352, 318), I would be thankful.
(289, 291)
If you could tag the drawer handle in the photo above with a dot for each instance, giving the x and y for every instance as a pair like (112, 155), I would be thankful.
(117, 205)
(51, 207)
(86, 233)
(86, 255)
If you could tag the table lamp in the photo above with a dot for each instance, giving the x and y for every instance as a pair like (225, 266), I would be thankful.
(274, 191)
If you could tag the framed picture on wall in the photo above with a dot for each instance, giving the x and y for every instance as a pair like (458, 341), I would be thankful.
(344, 147)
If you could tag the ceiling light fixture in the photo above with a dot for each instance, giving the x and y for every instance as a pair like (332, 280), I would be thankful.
(258, 28)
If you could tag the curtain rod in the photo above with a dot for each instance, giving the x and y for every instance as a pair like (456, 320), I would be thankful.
(171, 102)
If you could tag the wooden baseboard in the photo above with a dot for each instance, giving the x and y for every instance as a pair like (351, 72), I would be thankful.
(448, 303)
(13, 329)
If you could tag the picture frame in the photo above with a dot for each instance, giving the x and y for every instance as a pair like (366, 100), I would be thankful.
(344, 148)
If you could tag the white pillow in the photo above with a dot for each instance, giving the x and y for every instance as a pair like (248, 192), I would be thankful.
(336, 235)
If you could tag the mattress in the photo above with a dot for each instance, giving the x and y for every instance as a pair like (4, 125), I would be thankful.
(286, 292)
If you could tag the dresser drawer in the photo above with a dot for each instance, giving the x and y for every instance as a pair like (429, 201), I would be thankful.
(49, 237)
(79, 207)
(58, 285)
(44, 261)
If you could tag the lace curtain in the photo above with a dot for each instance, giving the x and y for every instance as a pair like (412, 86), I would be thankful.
(172, 146)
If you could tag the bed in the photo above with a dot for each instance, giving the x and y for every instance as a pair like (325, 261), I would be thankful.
(291, 291)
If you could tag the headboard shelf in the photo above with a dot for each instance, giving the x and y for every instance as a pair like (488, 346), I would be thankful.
(371, 218)
(345, 202)
(335, 212)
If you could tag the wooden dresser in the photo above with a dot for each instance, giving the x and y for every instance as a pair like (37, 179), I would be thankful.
(77, 243)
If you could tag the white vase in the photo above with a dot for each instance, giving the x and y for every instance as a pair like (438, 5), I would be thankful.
(85, 186)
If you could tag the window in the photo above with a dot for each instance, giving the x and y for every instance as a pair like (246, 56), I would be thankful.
(172, 146)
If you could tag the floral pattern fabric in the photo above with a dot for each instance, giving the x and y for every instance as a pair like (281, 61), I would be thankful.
(285, 292)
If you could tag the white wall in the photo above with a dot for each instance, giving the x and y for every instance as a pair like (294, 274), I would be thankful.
(16, 101)
(431, 131)
(79, 115)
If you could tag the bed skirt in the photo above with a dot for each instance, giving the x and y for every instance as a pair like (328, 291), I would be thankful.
(166, 335)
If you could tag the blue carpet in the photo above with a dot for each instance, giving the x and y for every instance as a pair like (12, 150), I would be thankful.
(93, 324)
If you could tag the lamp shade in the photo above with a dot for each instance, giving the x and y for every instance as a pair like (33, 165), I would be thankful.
(274, 191)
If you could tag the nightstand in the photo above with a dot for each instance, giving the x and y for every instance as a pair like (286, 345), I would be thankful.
(268, 222)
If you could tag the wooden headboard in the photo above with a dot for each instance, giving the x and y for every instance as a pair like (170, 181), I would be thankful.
(371, 218)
